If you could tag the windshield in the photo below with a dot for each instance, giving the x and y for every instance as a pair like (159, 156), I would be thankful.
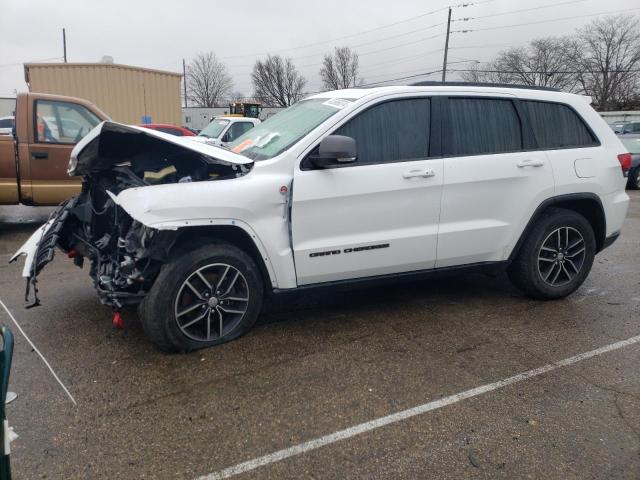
(284, 129)
(214, 129)
(632, 144)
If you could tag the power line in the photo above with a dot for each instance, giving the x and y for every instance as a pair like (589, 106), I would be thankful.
(424, 74)
(404, 45)
(492, 45)
(397, 60)
(543, 21)
(420, 40)
(388, 25)
(510, 12)
(548, 72)
(365, 43)
(426, 14)
(432, 72)
(414, 70)
(363, 32)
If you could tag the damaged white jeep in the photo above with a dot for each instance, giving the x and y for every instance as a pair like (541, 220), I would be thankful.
(351, 185)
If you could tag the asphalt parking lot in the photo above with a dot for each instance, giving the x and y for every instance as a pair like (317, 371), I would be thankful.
(327, 362)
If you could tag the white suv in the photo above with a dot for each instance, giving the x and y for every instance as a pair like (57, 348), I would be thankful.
(344, 186)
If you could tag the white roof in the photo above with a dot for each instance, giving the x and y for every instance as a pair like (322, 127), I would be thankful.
(235, 119)
(359, 93)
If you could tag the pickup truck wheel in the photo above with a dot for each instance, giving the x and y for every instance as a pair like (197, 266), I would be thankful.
(203, 297)
(556, 256)
(634, 178)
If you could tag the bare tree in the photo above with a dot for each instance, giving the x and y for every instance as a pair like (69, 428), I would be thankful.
(608, 58)
(484, 73)
(545, 62)
(276, 81)
(208, 81)
(339, 69)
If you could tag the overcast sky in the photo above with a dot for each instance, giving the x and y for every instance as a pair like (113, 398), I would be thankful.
(159, 33)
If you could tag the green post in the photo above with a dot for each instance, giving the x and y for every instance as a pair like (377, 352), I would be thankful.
(6, 355)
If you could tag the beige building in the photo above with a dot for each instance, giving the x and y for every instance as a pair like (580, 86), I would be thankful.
(127, 94)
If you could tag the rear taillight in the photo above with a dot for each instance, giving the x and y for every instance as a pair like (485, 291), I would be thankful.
(625, 162)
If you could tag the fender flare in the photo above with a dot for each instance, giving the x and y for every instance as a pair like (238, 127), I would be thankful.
(558, 200)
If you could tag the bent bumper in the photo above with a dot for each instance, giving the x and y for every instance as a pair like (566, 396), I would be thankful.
(39, 249)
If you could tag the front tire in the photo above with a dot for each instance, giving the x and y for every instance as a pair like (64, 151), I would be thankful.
(556, 256)
(203, 297)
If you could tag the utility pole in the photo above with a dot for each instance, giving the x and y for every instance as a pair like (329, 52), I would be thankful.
(64, 44)
(446, 48)
(184, 82)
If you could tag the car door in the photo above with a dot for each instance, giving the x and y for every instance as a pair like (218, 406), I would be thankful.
(494, 179)
(378, 215)
(58, 126)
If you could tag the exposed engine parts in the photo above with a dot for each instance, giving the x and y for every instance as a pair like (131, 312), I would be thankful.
(125, 255)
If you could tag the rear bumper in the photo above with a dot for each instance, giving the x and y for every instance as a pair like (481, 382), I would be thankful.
(615, 208)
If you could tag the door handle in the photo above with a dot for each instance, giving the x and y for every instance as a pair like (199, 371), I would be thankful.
(39, 155)
(419, 173)
(530, 163)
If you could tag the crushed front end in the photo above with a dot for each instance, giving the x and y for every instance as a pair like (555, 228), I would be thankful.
(124, 256)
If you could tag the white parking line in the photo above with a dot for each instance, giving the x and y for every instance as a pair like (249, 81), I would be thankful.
(404, 414)
(35, 349)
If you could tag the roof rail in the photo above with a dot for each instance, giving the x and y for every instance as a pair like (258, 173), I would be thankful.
(433, 83)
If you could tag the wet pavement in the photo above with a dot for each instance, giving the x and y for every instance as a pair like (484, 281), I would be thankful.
(326, 361)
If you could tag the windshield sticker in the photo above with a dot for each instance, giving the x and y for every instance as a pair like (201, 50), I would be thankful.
(242, 146)
(338, 103)
(263, 140)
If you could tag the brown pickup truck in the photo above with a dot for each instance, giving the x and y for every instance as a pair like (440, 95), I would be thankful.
(33, 161)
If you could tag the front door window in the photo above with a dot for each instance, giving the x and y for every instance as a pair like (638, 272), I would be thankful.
(62, 122)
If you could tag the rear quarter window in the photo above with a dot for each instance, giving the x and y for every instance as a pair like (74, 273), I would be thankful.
(557, 126)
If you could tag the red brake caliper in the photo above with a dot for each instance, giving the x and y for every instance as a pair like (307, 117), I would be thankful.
(117, 321)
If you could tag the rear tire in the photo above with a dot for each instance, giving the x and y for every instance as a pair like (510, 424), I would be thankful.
(556, 256)
(203, 297)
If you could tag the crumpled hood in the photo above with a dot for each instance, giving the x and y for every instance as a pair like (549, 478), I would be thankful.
(112, 143)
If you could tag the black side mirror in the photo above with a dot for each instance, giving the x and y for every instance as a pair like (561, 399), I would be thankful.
(333, 151)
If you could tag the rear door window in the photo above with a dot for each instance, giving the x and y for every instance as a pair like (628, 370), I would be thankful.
(557, 126)
(391, 131)
(479, 126)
